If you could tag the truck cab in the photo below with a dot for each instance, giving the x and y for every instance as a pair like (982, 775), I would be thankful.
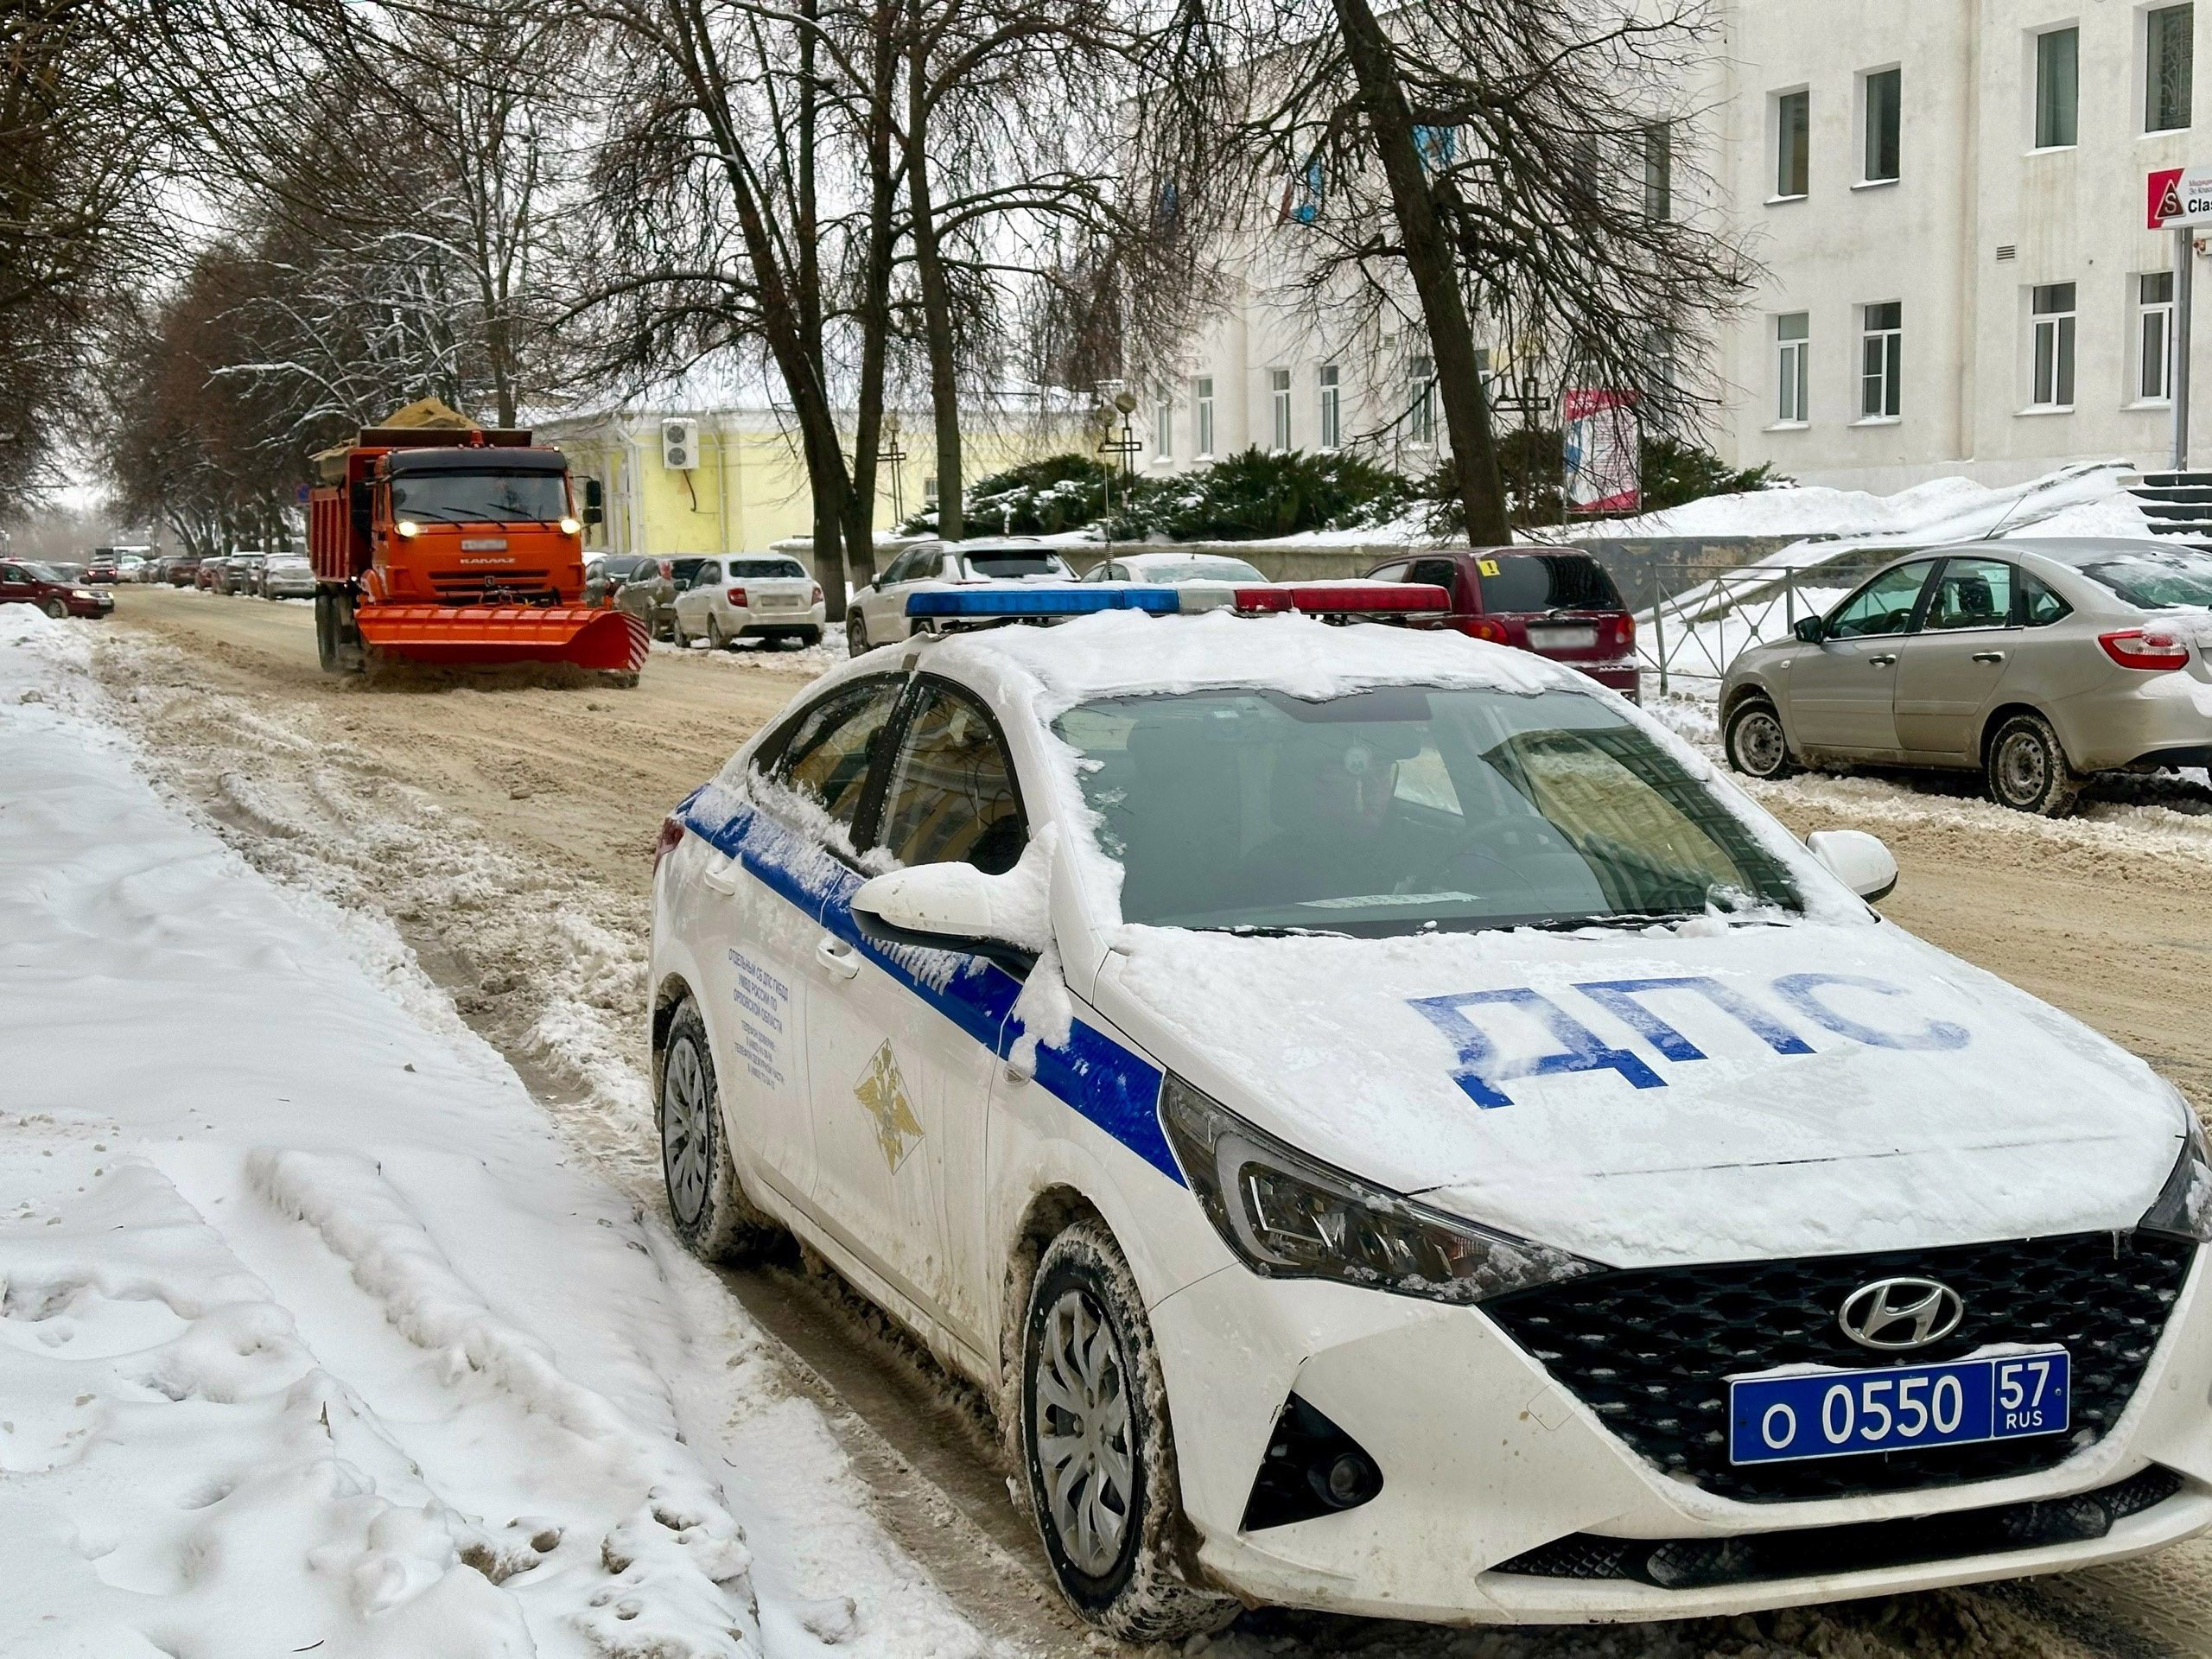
(474, 527)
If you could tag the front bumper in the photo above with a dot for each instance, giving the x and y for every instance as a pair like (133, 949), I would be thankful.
(1486, 1461)
(100, 604)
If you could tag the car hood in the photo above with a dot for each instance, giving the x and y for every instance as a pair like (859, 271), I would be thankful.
(1700, 1093)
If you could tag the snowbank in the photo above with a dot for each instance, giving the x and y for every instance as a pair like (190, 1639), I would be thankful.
(2087, 499)
(313, 1337)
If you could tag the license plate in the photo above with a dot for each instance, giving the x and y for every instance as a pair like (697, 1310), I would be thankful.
(1558, 639)
(1781, 1417)
(772, 603)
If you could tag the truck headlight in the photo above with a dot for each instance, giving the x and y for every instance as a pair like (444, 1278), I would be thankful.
(1287, 1216)
(407, 528)
(572, 527)
(2184, 1207)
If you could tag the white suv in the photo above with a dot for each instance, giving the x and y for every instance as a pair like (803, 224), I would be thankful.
(752, 597)
(878, 612)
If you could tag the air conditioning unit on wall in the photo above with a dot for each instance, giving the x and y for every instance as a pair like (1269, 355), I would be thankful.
(680, 445)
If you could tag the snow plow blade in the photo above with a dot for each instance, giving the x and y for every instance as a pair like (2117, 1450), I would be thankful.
(587, 636)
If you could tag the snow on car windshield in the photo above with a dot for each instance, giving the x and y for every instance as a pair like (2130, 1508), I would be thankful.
(2154, 580)
(1404, 808)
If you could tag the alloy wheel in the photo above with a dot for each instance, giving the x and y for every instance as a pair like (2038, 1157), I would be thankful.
(1083, 1432)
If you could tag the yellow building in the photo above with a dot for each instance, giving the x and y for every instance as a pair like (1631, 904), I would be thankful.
(744, 488)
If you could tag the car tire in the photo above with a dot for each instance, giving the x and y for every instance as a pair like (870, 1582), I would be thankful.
(1085, 1338)
(1756, 743)
(56, 609)
(809, 638)
(677, 634)
(2026, 769)
(856, 634)
(717, 639)
(707, 1204)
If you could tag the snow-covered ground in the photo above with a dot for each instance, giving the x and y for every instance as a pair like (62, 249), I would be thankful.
(314, 1337)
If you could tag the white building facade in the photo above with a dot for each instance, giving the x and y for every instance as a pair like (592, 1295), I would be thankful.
(1948, 202)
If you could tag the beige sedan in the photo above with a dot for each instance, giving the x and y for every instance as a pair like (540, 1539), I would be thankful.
(2035, 662)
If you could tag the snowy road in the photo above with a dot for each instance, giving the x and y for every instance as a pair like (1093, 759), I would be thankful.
(500, 839)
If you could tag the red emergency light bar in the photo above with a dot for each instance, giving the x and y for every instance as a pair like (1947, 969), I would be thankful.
(1345, 598)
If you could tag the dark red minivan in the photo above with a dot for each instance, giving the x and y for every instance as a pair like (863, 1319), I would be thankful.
(23, 582)
(1557, 602)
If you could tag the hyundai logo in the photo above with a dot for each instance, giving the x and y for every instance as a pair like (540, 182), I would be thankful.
(1893, 1314)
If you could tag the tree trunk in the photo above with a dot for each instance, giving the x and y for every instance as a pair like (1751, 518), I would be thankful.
(1434, 271)
(874, 308)
(936, 298)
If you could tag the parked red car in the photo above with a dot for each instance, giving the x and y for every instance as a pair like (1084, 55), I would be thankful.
(1554, 601)
(23, 583)
(207, 574)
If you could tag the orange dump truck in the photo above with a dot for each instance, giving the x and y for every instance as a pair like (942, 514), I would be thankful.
(437, 541)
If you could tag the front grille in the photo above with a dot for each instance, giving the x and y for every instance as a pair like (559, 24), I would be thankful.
(500, 587)
(1861, 1547)
(1649, 1350)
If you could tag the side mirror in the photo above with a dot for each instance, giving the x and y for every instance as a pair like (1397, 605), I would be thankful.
(956, 907)
(1858, 860)
(594, 502)
(1811, 629)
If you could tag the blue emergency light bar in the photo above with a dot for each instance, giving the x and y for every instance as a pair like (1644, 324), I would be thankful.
(1040, 601)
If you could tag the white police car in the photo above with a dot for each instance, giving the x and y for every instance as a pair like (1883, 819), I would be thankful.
(1401, 1134)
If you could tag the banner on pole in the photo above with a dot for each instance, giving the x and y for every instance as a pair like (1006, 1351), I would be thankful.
(2177, 196)
(1601, 432)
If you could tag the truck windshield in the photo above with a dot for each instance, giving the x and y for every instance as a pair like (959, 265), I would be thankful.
(480, 498)
(1403, 809)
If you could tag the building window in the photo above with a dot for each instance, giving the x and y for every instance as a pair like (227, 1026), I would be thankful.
(1202, 403)
(1793, 357)
(929, 492)
(2051, 310)
(1331, 401)
(1278, 406)
(1421, 412)
(1163, 430)
(2154, 334)
(1793, 126)
(2057, 87)
(1881, 360)
(2169, 34)
(1658, 170)
(1885, 117)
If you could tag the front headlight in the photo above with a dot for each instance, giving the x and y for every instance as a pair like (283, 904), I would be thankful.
(572, 526)
(2184, 1207)
(1287, 1216)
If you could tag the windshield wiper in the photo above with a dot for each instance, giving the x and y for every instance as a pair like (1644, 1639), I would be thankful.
(1618, 918)
(1269, 930)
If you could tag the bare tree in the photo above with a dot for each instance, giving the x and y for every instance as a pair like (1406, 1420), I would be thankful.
(1509, 167)
(79, 154)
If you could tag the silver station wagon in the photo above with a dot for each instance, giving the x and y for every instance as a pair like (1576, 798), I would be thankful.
(2037, 662)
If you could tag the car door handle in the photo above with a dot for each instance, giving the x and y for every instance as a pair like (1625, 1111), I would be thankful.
(838, 957)
(1882, 661)
(722, 877)
(1989, 655)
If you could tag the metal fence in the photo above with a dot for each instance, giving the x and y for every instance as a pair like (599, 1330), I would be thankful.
(1695, 616)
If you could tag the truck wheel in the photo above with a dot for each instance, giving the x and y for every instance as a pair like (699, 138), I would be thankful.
(1097, 1450)
(2027, 771)
(350, 655)
(326, 631)
(706, 1201)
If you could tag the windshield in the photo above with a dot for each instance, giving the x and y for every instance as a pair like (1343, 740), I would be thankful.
(1403, 808)
(46, 572)
(2153, 580)
(1545, 582)
(480, 498)
(1009, 563)
(1172, 570)
(759, 567)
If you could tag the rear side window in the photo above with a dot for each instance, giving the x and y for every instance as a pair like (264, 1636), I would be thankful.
(2039, 607)
(831, 749)
(705, 574)
(1545, 582)
(1436, 573)
(684, 571)
(952, 796)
